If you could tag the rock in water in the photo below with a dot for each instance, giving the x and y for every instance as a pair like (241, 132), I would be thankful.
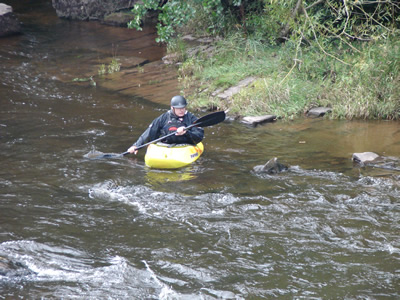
(364, 157)
(273, 166)
(11, 268)
(9, 23)
(254, 121)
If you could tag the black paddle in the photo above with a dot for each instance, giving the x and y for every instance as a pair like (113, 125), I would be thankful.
(205, 121)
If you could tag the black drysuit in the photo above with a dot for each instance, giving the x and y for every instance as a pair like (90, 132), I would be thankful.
(167, 123)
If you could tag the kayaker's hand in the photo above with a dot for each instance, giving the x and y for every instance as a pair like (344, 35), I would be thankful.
(132, 149)
(181, 131)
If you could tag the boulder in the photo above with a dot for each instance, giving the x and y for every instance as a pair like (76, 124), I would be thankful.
(273, 166)
(89, 9)
(9, 23)
(371, 159)
(364, 157)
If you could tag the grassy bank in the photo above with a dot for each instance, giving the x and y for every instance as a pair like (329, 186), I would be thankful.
(359, 81)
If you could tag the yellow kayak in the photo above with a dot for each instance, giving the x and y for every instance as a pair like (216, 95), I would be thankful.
(164, 156)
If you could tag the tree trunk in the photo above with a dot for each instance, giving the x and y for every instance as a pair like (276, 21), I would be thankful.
(283, 36)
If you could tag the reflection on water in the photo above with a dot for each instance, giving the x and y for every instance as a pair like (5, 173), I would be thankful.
(77, 227)
(157, 178)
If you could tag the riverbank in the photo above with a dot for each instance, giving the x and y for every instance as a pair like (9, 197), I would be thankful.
(360, 81)
(245, 75)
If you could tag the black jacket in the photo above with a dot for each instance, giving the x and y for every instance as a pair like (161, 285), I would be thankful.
(158, 127)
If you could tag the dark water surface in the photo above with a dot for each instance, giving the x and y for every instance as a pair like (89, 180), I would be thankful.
(78, 228)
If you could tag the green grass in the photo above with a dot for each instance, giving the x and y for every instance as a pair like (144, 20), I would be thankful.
(289, 83)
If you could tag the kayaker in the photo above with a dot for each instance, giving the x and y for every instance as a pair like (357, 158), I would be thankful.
(176, 119)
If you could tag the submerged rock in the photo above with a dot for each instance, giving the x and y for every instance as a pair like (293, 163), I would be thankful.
(9, 23)
(120, 19)
(13, 268)
(273, 166)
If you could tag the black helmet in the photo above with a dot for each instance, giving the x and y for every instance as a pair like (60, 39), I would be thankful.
(178, 102)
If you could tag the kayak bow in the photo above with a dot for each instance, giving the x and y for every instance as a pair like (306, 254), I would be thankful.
(164, 156)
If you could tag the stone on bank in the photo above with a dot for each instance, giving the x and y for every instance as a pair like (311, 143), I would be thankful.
(257, 120)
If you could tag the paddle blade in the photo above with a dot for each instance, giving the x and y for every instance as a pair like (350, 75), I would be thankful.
(113, 155)
(99, 155)
(210, 119)
(109, 155)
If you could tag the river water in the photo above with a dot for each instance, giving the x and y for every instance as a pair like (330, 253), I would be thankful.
(78, 228)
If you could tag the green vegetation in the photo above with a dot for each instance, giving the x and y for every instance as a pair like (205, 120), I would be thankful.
(303, 54)
(89, 79)
(113, 67)
(102, 69)
(367, 87)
